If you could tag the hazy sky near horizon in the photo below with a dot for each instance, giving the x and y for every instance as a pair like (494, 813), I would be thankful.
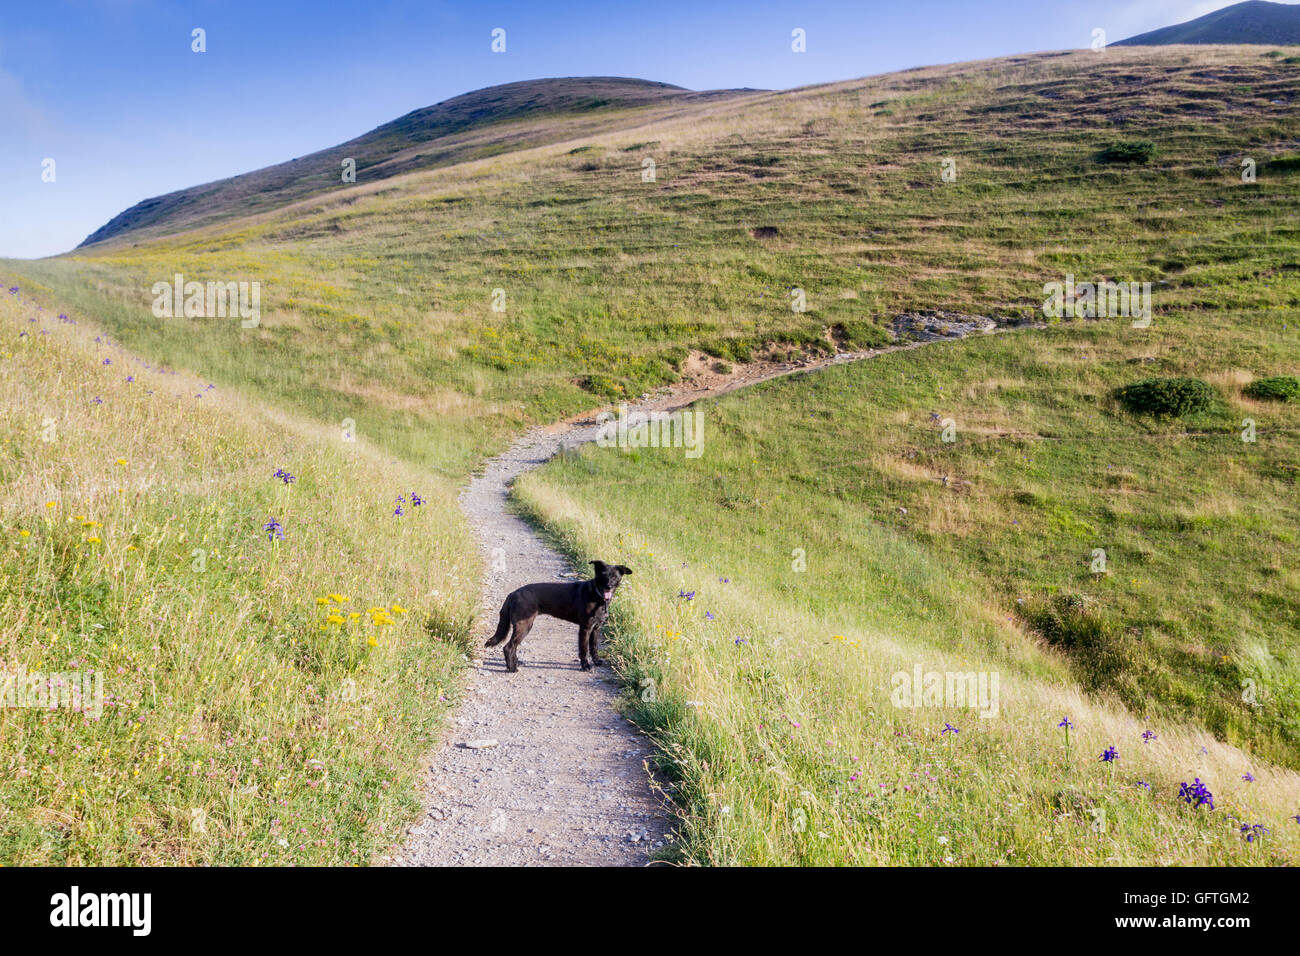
(111, 91)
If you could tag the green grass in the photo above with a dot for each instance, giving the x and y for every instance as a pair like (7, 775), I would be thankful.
(378, 298)
(378, 309)
(843, 470)
(248, 717)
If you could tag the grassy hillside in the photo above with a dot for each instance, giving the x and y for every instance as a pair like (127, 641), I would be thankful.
(827, 538)
(1253, 21)
(976, 554)
(378, 300)
(487, 122)
(267, 696)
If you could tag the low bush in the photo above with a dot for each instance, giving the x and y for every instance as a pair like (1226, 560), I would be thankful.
(1166, 396)
(1276, 388)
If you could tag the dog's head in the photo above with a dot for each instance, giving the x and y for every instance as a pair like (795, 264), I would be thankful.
(607, 577)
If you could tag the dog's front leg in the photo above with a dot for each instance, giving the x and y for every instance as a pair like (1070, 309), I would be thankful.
(584, 639)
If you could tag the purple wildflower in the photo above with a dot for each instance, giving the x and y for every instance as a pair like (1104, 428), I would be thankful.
(274, 530)
(1196, 794)
(1252, 830)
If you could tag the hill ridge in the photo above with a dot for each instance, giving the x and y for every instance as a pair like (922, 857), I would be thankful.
(1252, 21)
(389, 149)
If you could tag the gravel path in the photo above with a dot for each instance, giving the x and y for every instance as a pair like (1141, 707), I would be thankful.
(566, 781)
(537, 768)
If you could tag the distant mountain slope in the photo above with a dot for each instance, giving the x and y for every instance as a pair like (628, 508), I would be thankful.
(1255, 21)
(485, 122)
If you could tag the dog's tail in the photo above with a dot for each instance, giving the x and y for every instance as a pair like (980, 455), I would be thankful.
(503, 627)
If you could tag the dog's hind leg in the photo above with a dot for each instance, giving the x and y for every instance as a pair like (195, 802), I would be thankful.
(512, 649)
(503, 626)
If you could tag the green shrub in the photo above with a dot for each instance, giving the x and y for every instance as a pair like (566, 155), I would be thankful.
(732, 350)
(1276, 388)
(860, 334)
(1166, 396)
(1093, 641)
(604, 386)
(1283, 164)
(1136, 152)
(675, 355)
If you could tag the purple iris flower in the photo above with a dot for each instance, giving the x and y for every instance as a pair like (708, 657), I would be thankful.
(1196, 794)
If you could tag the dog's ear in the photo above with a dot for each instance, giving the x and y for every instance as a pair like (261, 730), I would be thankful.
(599, 566)
(623, 569)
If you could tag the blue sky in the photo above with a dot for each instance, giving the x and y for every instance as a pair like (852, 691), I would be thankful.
(110, 90)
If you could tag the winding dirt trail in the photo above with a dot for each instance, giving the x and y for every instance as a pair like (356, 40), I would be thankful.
(538, 768)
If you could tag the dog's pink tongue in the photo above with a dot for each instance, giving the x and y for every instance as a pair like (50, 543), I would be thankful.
(608, 595)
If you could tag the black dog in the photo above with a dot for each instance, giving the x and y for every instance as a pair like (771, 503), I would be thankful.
(584, 603)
